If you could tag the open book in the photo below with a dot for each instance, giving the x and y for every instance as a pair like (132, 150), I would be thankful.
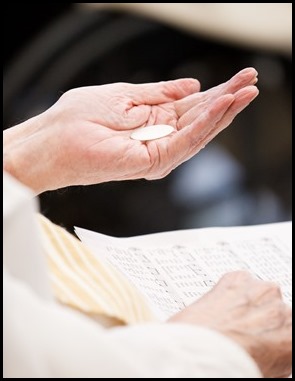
(172, 269)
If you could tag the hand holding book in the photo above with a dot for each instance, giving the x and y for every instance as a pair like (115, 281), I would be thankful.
(250, 312)
(140, 279)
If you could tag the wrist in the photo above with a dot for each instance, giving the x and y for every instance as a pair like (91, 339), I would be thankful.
(24, 154)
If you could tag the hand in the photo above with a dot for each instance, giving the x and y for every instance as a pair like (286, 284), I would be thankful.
(85, 137)
(252, 313)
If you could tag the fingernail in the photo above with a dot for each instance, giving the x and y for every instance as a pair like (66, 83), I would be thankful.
(249, 70)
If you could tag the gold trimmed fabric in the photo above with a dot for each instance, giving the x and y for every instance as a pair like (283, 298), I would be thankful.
(82, 281)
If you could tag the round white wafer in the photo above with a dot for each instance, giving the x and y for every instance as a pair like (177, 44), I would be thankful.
(152, 132)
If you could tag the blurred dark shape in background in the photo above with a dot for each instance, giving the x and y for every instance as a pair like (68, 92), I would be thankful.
(242, 177)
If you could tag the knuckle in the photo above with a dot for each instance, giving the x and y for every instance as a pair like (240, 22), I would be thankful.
(267, 289)
(236, 278)
(274, 288)
(235, 273)
(239, 275)
(278, 315)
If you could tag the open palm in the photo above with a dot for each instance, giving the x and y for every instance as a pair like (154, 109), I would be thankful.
(94, 126)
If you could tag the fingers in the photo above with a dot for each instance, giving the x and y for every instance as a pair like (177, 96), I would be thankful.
(226, 116)
(183, 144)
(265, 293)
(236, 277)
(259, 292)
(184, 105)
(162, 92)
(245, 77)
(242, 100)
(190, 140)
(210, 121)
(191, 114)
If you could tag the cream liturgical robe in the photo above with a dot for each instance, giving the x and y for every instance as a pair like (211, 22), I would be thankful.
(46, 339)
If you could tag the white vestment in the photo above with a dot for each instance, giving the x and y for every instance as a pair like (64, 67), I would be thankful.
(43, 339)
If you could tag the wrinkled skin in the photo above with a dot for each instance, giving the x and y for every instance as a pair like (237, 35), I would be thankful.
(253, 314)
(84, 138)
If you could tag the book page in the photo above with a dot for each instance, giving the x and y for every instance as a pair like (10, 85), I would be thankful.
(173, 269)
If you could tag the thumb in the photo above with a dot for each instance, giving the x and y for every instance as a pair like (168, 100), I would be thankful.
(165, 91)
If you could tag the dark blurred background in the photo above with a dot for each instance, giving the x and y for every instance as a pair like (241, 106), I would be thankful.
(242, 177)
